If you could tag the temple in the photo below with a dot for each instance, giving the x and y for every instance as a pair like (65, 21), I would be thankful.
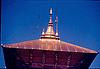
(47, 52)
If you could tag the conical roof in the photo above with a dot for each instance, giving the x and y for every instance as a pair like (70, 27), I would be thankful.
(49, 41)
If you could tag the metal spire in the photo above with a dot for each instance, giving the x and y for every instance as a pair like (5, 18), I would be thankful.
(50, 29)
(50, 21)
(56, 21)
(43, 32)
(49, 34)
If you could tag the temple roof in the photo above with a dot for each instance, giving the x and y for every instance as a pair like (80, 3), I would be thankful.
(53, 45)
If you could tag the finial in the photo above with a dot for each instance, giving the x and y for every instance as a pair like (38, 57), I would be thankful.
(50, 21)
(56, 21)
(50, 11)
(43, 32)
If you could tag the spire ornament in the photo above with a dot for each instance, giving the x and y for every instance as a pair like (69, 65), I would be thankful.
(49, 34)
(43, 32)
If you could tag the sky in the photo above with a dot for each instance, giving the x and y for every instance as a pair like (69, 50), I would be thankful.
(78, 22)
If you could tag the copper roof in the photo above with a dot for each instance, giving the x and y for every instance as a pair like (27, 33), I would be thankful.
(54, 45)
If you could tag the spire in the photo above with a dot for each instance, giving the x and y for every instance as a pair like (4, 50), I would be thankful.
(43, 32)
(56, 21)
(49, 34)
(50, 29)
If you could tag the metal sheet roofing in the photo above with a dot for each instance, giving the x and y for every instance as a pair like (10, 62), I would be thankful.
(54, 45)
